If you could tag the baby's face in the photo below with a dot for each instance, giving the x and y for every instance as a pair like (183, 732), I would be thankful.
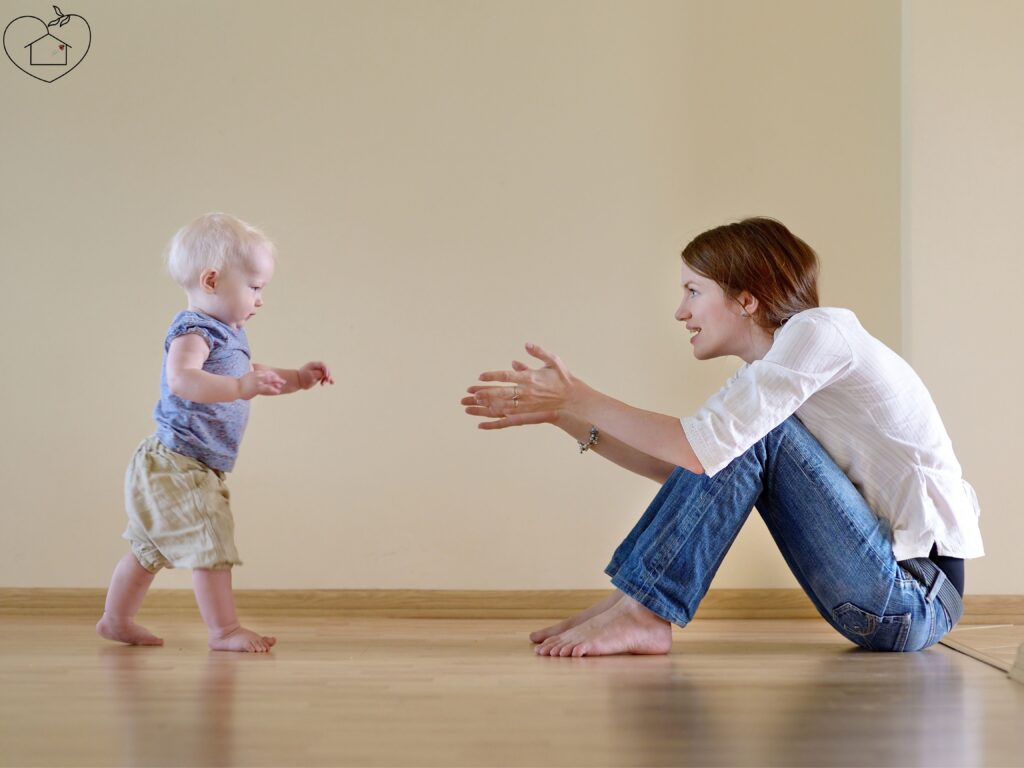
(239, 292)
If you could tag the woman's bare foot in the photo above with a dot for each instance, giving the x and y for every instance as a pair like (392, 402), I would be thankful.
(626, 627)
(125, 631)
(556, 629)
(241, 639)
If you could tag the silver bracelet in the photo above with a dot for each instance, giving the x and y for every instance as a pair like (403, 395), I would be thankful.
(584, 447)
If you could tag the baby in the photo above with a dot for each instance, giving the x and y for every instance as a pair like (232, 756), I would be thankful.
(178, 504)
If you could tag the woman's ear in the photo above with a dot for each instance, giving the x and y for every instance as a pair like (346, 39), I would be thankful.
(208, 280)
(748, 303)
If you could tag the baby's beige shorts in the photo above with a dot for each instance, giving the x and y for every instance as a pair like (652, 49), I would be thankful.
(179, 511)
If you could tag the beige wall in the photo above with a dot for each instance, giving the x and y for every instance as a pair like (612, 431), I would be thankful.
(444, 181)
(963, 189)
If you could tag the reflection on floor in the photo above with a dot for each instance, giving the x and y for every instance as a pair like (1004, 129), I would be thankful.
(994, 644)
(470, 692)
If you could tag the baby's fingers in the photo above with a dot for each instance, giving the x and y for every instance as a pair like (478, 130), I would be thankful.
(323, 373)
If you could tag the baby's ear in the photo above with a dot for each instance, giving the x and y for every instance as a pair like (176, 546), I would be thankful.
(208, 280)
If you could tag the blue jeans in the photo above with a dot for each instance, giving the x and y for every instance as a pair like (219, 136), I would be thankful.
(838, 549)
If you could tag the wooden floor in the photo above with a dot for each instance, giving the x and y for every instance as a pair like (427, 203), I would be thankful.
(433, 692)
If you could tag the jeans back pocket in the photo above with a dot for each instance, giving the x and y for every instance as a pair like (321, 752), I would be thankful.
(876, 633)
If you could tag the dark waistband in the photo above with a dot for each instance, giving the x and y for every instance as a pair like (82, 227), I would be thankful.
(938, 586)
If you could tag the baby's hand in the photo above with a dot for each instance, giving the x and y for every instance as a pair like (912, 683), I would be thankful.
(314, 372)
(260, 382)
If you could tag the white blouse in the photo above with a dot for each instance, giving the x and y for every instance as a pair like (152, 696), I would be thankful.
(872, 414)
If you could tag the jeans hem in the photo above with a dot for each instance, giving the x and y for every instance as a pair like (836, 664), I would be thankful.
(655, 606)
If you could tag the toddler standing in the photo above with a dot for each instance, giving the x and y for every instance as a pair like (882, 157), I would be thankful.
(177, 502)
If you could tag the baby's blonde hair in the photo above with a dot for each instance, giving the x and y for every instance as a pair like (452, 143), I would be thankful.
(212, 241)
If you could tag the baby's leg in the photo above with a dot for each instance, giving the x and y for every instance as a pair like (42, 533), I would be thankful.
(217, 606)
(128, 587)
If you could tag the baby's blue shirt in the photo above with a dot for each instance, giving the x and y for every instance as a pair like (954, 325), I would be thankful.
(209, 432)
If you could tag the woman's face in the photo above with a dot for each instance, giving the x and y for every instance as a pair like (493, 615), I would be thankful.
(716, 322)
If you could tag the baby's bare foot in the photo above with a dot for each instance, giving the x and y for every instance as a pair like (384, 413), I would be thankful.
(126, 631)
(241, 639)
(556, 629)
(626, 627)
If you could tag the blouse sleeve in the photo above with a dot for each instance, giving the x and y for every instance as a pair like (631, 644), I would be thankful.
(808, 353)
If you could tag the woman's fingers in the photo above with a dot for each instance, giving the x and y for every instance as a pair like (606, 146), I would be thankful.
(497, 399)
(541, 354)
(478, 388)
(520, 373)
(550, 359)
(494, 400)
(512, 377)
(487, 394)
(519, 420)
(491, 401)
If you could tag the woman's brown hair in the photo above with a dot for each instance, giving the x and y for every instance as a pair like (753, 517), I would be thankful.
(761, 256)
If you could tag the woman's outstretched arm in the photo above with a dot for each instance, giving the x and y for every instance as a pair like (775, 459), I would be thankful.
(617, 451)
(551, 393)
(607, 446)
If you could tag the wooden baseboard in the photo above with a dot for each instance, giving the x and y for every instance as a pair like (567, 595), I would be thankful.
(459, 604)
(993, 609)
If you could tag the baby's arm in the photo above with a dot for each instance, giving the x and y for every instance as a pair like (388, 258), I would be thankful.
(187, 379)
(304, 378)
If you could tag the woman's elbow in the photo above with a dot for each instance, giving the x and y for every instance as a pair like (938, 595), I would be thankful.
(692, 464)
(664, 471)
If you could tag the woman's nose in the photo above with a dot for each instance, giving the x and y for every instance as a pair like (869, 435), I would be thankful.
(681, 313)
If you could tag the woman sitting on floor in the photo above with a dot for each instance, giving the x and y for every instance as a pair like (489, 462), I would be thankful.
(825, 430)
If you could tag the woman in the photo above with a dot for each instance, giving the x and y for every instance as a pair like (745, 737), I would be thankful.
(830, 434)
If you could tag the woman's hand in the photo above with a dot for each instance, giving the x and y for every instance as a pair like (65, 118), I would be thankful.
(536, 395)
